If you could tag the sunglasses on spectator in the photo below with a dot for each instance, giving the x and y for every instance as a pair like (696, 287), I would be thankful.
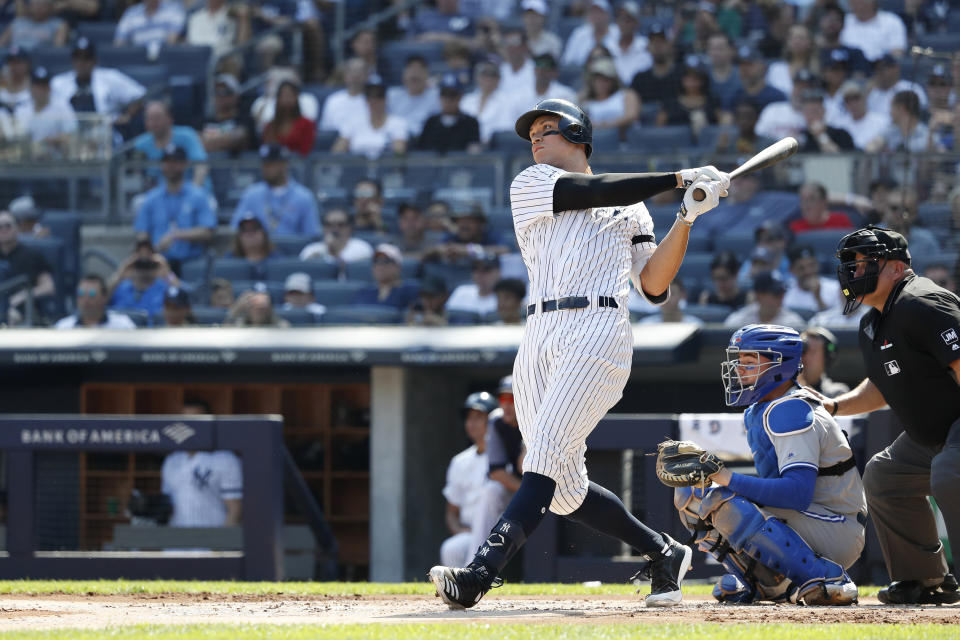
(90, 293)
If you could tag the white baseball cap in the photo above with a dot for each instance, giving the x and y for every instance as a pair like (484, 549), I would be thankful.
(602, 4)
(390, 251)
(538, 6)
(298, 281)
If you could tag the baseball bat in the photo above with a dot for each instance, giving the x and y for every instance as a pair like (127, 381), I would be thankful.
(779, 150)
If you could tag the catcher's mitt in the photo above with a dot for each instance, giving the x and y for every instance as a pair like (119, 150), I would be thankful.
(682, 463)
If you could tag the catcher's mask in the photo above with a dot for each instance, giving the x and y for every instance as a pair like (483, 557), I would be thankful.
(862, 255)
(781, 346)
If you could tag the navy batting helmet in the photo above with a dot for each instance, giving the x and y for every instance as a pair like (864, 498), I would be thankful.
(574, 123)
(480, 401)
(506, 385)
(781, 346)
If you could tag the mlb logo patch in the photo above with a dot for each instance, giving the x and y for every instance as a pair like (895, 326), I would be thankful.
(949, 336)
(892, 368)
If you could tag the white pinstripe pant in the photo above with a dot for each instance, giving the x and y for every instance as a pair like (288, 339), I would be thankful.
(570, 370)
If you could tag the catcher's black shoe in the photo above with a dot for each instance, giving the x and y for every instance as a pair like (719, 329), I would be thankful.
(463, 588)
(915, 592)
(666, 574)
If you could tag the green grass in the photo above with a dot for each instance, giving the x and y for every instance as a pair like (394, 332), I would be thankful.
(456, 631)
(126, 587)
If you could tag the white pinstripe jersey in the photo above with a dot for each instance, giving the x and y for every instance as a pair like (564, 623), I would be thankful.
(198, 485)
(576, 253)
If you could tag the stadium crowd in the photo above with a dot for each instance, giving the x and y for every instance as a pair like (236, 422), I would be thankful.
(446, 81)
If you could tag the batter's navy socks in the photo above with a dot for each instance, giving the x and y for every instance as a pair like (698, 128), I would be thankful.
(530, 503)
(666, 572)
(603, 511)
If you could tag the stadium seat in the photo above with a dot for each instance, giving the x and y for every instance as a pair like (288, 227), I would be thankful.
(939, 42)
(394, 54)
(411, 269)
(362, 314)
(100, 33)
(333, 293)
(204, 315)
(232, 269)
(710, 135)
(642, 139)
(55, 59)
(360, 271)
(279, 268)
(65, 225)
(648, 113)
(741, 243)
(606, 140)
(52, 250)
(824, 243)
(695, 267)
(297, 317)
(457, 316)
(290, 245)
(934, 215)
(187, 60)
(148, 75)
(194, 271)
(122, 56)
(708, 312)
(698, 243)
(324, 140)
(509, 141)
(452, 274)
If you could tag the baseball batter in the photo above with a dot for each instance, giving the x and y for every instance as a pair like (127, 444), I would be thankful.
(584, 238)
(796, 547)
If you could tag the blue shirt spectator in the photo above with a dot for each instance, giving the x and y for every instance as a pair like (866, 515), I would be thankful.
(388, 289)
(283, 205)
(161, 132)
(150, 299)
(177, 214)
(150, 23)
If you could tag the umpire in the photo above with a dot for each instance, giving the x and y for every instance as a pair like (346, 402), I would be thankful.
(910, 341)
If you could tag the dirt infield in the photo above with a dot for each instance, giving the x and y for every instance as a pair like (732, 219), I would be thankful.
(61, 611)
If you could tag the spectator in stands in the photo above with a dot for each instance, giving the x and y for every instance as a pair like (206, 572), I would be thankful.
(348, 103)
(445, 23)
(673, 309)
(835, 74)
(368, 206)
(161, 133)
(415, 100)
(492, 108)
(253, 309)
(817, 136)
(458, 59)
(753, 80)
(75, 10)
(539, 39)
(724, 76)
(744, 139)
(37, 27)
(413, 238)
(768, 290)
(819, 352)
(808, 289)
(830, 26)
(28, 215)
(176, 214)
(429, 310)
(609, 105)
(151, 24)
(439, 216)
(886, 83)
(303, 16)
(862, 124)
(141, 281)
(450, 129)
(284, 206)
(263, 108)
(177, 310)
(661, 81)
(364, 45)
(770, 247)
(15, 80)
(906, 132)
(699, 21)
(252, 243)
(595, 30)
(478, 297)
(545, 83)
(92, 308)
(630, 53)
(815, 214)
(799, 53)
(298, 294)
(289, 127)
(693, 105)
(470, 238)
(229, 129)
(943, 113)
(510, 294)
(92, 89)
(517, 69)
(725, 290)
(900, 215)
(338, 243)
(834, 316)
(942, 276)
(784, 118)
(873, 31)
(379, 132)
(221, 293)
(49, 124)
(388, 287)
(219, 25)
(18, 259)
(205, 487)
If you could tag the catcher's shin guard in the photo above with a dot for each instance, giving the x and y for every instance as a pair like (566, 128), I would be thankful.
(775, 545)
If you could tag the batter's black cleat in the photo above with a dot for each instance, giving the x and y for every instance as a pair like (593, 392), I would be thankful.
(463, 588)
(915, 592)
(666, 574)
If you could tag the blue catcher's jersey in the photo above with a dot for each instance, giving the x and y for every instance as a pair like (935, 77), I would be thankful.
(795, 431)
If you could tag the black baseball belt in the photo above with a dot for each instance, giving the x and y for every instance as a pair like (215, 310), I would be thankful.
(571, 302)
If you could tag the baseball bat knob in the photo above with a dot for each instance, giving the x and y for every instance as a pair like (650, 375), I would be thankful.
(699, 194)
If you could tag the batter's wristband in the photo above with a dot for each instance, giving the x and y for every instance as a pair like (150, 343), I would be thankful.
(836, 407)
(682, 220)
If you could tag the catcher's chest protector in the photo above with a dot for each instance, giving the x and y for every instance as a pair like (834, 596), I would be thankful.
(764, 454)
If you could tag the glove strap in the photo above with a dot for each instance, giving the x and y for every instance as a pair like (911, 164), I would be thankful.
(682, 219)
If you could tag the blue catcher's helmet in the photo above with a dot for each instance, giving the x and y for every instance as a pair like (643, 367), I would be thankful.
(782, 346)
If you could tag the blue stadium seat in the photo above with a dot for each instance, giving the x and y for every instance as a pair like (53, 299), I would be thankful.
(52, 250)
(452, 274)
(509, 142)
(606, 140)
(204, 315)
(708, 312)
(232, 269)
(411, 269)
(126, 55)
(187, 60)
(939, 42)
(148, 75)
(100, 33)
(648, 113)
(698, 243)
(360, 271)
(740, 242)
(457, 316)
(290, 245)
(279, 268)
(140, 317)
(934, 215)
(710, 135)
(333, 293)
(695, 267)
(65, 225)
(393, 55)
(55, 59)
(362, 314)
(297, 317)
(824, 243)
(324, 140)
(658, 139)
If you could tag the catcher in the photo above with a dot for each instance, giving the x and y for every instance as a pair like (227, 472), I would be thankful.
(789, 534)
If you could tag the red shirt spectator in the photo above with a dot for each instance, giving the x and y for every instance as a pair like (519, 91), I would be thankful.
(814, 215)
(288, 127)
